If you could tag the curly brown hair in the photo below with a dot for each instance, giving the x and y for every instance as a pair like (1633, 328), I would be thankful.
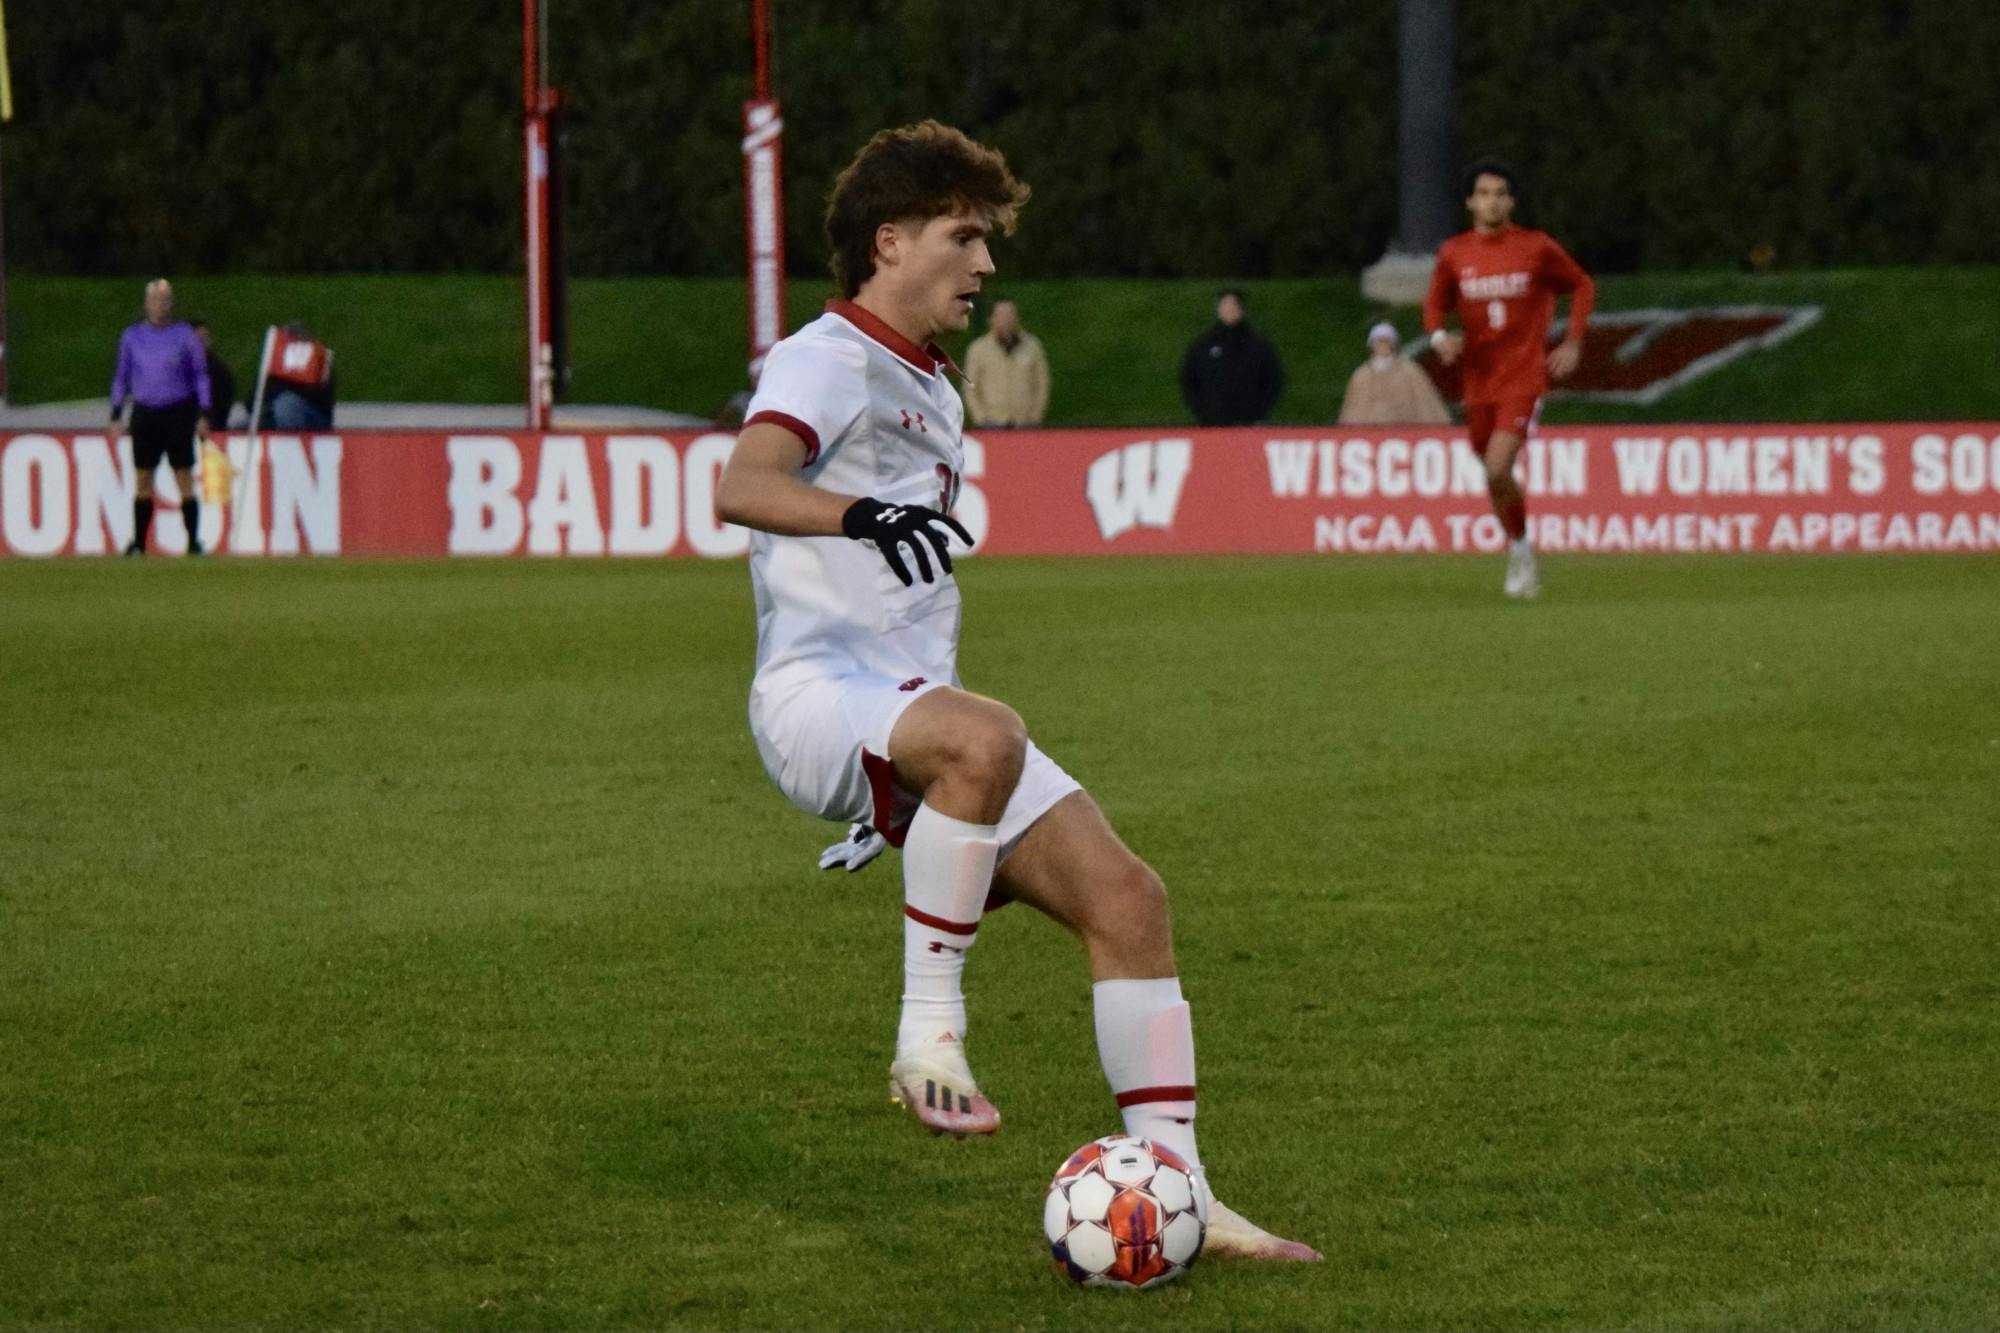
(913, 174)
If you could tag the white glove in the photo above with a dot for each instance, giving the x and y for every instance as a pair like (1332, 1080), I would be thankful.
(863, 845)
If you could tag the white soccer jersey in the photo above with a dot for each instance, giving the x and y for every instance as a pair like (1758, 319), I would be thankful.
(879, 419)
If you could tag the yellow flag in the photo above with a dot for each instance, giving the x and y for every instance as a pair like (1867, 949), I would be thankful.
(218, 475)
(6, 77)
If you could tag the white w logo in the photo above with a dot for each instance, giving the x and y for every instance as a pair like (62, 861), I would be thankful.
(1139, 484)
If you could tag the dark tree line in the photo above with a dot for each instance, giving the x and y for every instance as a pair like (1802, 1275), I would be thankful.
(1168, 138)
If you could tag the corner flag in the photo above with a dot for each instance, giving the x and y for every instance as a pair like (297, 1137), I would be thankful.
(6, 75)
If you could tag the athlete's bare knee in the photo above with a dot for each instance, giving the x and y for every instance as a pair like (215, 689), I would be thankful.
(989, 744)
(1000, 743)
(1130, 926)
(965, 754)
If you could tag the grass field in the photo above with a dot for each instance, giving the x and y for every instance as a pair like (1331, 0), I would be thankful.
(421, 946)
(1114, 345)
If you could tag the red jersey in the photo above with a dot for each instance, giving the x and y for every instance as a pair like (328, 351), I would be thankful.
(1504, 286)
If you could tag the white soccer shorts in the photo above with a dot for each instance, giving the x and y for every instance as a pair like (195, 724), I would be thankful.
(826, 744)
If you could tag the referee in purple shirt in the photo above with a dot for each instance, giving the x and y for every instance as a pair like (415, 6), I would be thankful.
(163, 372)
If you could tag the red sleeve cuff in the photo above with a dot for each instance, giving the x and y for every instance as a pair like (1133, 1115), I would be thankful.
(794, 425)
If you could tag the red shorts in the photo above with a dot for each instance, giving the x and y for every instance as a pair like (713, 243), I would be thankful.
(1516, 416)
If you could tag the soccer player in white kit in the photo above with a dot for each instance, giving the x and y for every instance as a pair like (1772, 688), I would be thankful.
(846, 471)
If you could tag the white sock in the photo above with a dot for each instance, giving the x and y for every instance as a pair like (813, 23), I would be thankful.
(947, 873)
(1519, 546)
(1145, 1040)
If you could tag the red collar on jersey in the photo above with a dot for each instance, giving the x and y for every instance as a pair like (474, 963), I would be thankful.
(926, 358)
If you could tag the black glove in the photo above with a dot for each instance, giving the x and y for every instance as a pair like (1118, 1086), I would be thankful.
(893, 526)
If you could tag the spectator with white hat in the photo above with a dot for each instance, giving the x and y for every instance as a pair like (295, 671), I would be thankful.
(1389, 389)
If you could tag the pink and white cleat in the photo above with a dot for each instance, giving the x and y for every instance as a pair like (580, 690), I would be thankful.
(934, 1083)
(1231, 1233)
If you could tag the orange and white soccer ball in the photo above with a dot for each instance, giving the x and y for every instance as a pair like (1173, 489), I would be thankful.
(1124, 1212)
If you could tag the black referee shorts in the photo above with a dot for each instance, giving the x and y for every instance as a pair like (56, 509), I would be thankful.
(167, 432)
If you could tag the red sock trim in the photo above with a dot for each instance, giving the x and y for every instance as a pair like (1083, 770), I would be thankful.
(1139, 1095)
(939, 923)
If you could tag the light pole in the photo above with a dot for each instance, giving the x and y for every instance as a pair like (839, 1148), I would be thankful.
(1425, 210)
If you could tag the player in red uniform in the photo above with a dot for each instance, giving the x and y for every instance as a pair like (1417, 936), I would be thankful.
(1503, 281)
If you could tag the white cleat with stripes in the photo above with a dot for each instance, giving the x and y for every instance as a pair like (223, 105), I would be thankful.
(934, 1083)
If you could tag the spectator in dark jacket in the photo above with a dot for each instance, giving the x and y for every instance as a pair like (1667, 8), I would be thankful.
(1231, 375)
(221, 382)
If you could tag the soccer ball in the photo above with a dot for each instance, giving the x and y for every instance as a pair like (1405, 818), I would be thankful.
(1124, 1212)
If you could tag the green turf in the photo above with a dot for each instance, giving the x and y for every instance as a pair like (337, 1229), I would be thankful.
(1895, 344)
(396, 946)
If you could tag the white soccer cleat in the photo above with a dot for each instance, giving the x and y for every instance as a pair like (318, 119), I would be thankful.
(934, 1084)
(1524, 574)
(1231, 1233)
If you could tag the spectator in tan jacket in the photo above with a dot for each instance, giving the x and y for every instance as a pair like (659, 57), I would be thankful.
(1006, 373)
(1389, 389)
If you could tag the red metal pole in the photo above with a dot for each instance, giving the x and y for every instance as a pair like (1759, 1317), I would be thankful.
(535, 151)
(531, 52)
(763, 200)
(760, 27)
(6, 114)
(3, 315)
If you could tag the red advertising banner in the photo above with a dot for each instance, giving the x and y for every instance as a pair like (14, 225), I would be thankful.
(1682, 488)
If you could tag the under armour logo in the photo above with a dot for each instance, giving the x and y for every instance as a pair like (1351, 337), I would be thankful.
(919, 420)
(939, 946)
(911, 684)
(890, 515)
